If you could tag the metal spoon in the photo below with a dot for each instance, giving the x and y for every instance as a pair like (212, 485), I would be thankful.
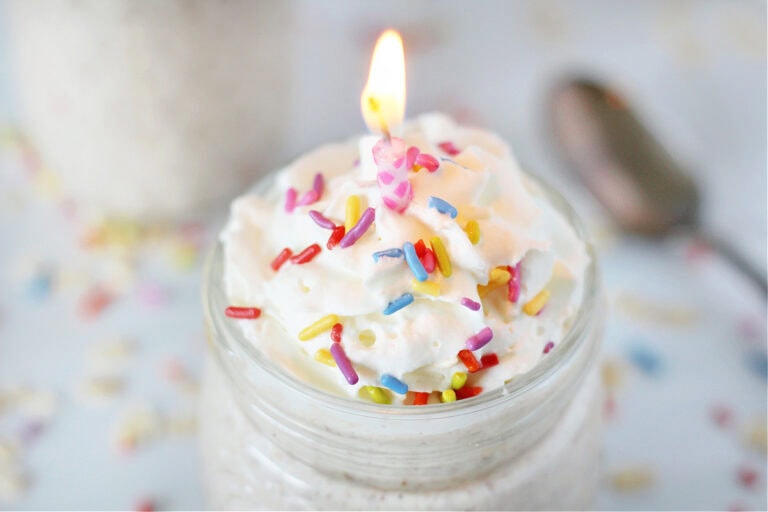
(626, 168)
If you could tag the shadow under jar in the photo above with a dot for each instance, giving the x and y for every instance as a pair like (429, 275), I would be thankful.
(270, 441)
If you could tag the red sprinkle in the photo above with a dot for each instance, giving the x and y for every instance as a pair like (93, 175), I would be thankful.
(722, 415)
(420, 398)
(489, 360)
(421, 248)
(747, 477)
(468, 392)
(449, 147)
(469, 360)
(336, 236)
(280, 259)
(336, 331)
(145, 506)
(428, 260)
(549, 346)
(238, 312)
(95, 300)
(307, 254)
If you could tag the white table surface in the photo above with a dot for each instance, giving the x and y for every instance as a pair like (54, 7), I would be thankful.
(686, 335)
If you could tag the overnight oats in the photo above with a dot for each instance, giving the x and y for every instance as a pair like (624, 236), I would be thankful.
(402, 323)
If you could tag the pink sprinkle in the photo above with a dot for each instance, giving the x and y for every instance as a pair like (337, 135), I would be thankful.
(480, 339)
(722, 415)
(514, 283)
(290, 200)
(470, 304)
(429, 261)
(385, 177)
(549, 346)
(342, 361)
(402, 189)
(151, 294)
(321, 220)
(359, 229)
(449, 147)
(429, 162)
(410, 157)
(308, 198)
(318, 184)
(747, 477)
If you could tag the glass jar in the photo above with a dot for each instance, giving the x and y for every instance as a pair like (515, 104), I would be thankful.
(270, 441)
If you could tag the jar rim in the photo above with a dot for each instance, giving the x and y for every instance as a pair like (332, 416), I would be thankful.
(214, 302)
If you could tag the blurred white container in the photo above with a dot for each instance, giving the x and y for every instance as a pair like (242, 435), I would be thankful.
(152, 110)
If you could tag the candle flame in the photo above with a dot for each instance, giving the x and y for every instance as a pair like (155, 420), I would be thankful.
(383, 98)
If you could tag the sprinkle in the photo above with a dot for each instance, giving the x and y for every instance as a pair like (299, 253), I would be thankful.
(290, 200)
(342, 361)
(396, 385)
(633, 478)
(95, 300)
(426, 287)
(428, 162)
(489, 360)
(645, 360)
(241, 312)
(280, 259)
(513, 290)
(151, 294)
(469, 360)
(362, 225)
(336, 236)
(412, 259)
(441, 254)
(757, 362)
(722, 415)
(611, 374)
(549, 346)
(468, 392)
(410, 157)
(420, 398)
(472, 229)
(458, 380)
(536, 304)
(398, 304)
(449, 147)
(442, 206)
(747, 477)
(377, 394)
(389, 253)
(428, 260)
(324, 356)
(499, 275)
(470, 304)
(480, 339)
(310, 197)
(321, 220)
(306, 255)
(449, 395)
(421, 248)
(39, 286)
(352, 212)
(324, 324)
(145, 505)
(336, 331)
(318, 184)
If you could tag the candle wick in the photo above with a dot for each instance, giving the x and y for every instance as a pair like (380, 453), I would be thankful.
(374, 104)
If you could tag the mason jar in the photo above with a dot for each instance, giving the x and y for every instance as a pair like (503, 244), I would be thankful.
(271, 441)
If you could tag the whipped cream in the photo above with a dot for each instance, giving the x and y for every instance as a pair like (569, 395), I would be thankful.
(419, 344)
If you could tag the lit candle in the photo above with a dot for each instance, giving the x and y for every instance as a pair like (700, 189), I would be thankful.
(383, 106)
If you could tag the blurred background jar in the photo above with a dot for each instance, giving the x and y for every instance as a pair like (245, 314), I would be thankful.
(152, 110)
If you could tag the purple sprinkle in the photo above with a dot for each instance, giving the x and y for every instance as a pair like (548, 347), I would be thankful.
(359, 229)
(321, 220)
(308, 198)
(318, 184)
(480, 339)
(549, 346)
(290, 200)
(342, 361)
(469, 303)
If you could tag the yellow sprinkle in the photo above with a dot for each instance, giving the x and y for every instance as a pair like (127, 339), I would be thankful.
(322, 325)
(533, 306)
(472, 229)
(377, 394)
(324, 356)
(426, 287)
(441, 254)
(499, 275)
(458, 380)
(448, 395)
(353, 212)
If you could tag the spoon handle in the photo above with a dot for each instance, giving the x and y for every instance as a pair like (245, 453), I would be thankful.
(736, 259)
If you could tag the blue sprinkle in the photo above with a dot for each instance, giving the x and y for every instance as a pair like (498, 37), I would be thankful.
(645, 360)
(39, 286)
(394, 384)
(413, 261)
(758, 363)
(391, 253)
(398, 304)
(442, 206)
